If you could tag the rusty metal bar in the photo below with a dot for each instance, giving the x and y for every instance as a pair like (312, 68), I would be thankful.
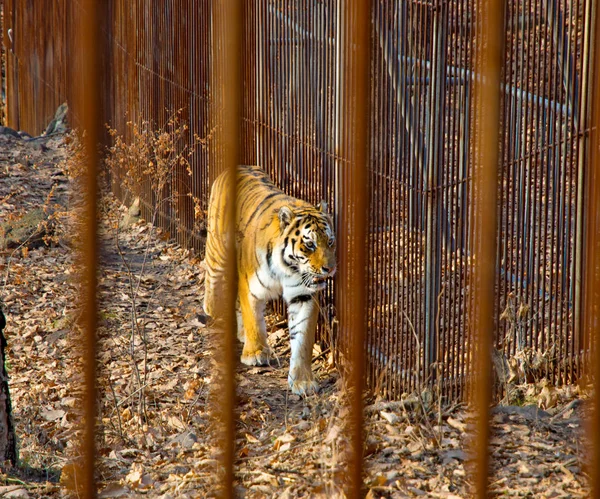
(227, 86)
(591, 297)
(87, 92)
(585, 163)
(490, 41)
(358, 45)
(294, 127)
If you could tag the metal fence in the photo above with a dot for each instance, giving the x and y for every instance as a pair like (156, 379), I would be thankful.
(436, 198)
(295, 117)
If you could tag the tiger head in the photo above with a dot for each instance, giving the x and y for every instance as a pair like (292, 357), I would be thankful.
(308, 247)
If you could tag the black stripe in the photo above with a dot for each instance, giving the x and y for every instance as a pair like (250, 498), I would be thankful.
(247, 198)
(262, 208)
(300, 299)
(258, 262)
(283, 258)
(259, 281)
(269, 255)
(265, 226)
(298, 323)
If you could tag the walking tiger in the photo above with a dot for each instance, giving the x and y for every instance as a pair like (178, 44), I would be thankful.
(285, 248)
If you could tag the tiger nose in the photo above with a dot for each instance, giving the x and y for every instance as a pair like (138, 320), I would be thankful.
(325, 270)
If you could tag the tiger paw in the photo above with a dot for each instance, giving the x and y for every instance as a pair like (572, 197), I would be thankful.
(256, 356)
(305, 386)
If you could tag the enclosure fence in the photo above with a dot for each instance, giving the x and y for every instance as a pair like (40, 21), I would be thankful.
(157, 60)
(429, 271)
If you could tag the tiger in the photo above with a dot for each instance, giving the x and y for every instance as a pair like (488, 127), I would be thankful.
(286, 248)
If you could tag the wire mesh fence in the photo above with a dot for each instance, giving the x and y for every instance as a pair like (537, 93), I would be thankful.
(429, 272)
(157, 60)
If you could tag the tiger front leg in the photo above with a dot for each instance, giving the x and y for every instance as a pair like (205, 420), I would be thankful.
(302, 317)
(256, 349)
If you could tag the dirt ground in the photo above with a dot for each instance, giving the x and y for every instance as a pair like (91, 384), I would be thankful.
(156, 382)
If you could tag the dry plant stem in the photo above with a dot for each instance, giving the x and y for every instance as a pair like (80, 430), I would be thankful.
(193, 404)
(286, 414)
(119, 423)
(419, 396)
(134, 288)
(134, 329)
(131, 395)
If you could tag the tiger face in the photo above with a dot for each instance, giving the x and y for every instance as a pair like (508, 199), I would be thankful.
(308, 244)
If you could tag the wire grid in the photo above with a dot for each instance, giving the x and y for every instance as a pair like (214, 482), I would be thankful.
(289, 120)
(546, 125)
(159, 58)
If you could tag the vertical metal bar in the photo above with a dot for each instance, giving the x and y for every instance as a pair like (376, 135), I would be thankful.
(435, 149)
(378, 206)
(487, 98)
(547, 124)
(587, 79)
(227, 110)
(558, 226)
(87, 92)
(358, 44)
(591, 308)
(427, 36)
(536, 250)
(403, 221)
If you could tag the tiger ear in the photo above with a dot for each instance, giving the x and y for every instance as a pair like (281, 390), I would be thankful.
(285, 216)
(322, 206)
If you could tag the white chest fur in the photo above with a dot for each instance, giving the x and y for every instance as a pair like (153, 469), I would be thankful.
(264, 286)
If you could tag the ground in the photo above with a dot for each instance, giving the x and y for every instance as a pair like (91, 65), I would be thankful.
(156, 381)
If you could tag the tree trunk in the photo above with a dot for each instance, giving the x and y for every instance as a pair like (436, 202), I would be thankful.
(8, 446)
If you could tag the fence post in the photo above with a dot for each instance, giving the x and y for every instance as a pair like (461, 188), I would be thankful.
(591, 296)
(489, 16)
(227, 91)
(358, 45)
(87, 94)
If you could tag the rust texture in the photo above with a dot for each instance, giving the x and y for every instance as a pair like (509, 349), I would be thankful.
(591, 305)
(226, 79)
(353, 232)
(158, 58)
(484, 189)
(85, 77)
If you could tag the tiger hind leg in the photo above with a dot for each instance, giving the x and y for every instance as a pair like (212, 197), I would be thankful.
(209, 295)
(214, 278)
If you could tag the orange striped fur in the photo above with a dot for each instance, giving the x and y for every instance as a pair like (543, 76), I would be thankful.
(285, 248)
